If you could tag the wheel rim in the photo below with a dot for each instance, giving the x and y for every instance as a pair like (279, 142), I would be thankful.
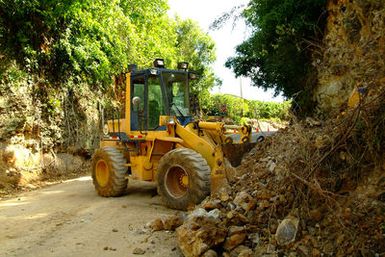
(176, 181)
(102, 172)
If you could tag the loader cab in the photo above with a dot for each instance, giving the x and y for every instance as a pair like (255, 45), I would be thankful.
(158, 92)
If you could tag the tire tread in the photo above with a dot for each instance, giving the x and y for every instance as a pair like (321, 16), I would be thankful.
(115, 160)
(199, 179)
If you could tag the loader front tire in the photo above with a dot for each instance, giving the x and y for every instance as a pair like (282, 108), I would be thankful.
(109, 172)
(183, 178)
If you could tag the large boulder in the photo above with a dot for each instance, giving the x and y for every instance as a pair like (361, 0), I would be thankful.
(201, 231)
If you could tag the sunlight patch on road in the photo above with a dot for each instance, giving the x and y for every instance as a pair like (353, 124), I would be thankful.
(52, 192)
(87, 178)
(10, 204)
(37, 216)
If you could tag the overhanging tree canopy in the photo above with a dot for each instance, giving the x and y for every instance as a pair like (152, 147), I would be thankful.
(91, 40)
(278, 53)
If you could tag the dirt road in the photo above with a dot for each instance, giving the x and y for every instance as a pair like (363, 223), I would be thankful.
(69, 219)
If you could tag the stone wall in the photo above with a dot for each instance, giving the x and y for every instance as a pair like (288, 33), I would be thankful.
(353, 52)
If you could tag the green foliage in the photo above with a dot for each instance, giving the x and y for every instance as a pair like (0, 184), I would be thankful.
(198, 49)
(240, 109)
(236, 107)
(62, 40)
(278, 53)
(244, 121)
(61, 55)
(268, 110)
(11, 75)
(86, 41)
(153, 34)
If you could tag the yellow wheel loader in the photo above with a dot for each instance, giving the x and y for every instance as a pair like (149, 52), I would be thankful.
(156, 139)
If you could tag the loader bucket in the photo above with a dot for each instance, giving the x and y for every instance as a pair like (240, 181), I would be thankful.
(234, 152)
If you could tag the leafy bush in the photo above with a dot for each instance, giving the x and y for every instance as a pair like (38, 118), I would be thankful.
(239, 109)
(278, 54)
(267, 110)
(84, 41)
(63, 55)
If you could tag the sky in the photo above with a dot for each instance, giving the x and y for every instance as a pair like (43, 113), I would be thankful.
(226, 39)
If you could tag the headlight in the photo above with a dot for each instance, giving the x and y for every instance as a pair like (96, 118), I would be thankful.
(159, 63)
(183, 66)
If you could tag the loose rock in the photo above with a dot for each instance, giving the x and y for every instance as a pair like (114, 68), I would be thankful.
(211, 204)
(241, 251)
(200, 233)
(138, 251)
(210, 253)
(245, 201)
(156, 225)
(236, 236)
(166, 223)
(171, 223)
(287, 231)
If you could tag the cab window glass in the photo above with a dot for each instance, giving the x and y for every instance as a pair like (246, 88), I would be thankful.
(137, 113)
(155, 102)
(176, 85)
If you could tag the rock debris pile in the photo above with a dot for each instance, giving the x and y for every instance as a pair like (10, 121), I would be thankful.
(286, 202)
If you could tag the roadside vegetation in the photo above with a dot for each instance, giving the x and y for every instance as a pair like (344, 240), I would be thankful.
(240, 110)
(60, 64)
(286, 38)
(58, 59)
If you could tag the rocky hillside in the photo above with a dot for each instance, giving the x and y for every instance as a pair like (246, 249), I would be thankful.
(44, 133)
(353, 52)
(316, 188)
(301, 193)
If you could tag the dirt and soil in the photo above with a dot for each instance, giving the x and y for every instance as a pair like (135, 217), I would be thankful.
(313, 189)
(70, 219)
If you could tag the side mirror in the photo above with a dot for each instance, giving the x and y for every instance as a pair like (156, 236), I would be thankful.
(136, 102)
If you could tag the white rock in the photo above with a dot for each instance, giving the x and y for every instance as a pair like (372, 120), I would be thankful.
(287, 230)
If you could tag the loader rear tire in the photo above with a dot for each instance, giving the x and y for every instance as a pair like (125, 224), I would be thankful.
(183, 178)
(109, 172)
